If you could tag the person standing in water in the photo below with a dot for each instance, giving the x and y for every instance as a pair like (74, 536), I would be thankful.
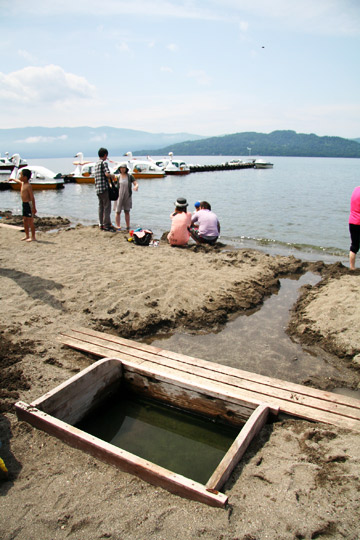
(354, 226)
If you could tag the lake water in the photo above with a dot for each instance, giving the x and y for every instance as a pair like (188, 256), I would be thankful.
(301, 206)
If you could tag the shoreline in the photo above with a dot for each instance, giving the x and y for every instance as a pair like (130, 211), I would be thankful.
(84, 277)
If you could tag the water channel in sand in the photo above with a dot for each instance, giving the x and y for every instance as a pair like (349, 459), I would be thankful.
(257, 341)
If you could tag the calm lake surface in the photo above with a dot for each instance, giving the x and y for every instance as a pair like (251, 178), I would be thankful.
(301, 206)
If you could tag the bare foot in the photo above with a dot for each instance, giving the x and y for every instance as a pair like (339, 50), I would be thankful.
(25, 238)
(31, 239)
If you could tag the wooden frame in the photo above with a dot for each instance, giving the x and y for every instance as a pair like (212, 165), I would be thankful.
(57, 411)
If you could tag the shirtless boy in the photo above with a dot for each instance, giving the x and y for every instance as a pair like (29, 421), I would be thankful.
(28, 204)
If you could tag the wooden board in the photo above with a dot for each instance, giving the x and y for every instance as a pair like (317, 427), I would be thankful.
(238, 448)
(291, 398)
(8, 226)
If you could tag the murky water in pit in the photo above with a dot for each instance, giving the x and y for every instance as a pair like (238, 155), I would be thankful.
(179, 441)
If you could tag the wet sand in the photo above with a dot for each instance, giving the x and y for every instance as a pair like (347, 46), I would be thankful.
(297, 480)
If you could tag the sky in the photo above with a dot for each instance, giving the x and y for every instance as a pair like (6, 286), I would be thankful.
(206, 67)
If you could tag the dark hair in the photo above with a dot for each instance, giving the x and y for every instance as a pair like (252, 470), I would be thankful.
(27, 173)
(102, 152)
(205, 205)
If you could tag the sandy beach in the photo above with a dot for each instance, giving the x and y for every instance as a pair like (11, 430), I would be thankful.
(298, 480)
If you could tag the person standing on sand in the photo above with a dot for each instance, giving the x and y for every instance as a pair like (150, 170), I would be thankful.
(126, 182)
(28, 204)
(102, 176)
(354, 226)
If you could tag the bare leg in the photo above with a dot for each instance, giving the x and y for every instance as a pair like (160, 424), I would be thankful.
(352, 257)
(117, 219)
(26, 227)
(32, 228)
(127, 219)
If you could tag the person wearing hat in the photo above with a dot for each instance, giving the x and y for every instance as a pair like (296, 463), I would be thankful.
(125, 183)
(180, 222)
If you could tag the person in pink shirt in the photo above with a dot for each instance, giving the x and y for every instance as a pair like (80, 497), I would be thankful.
(180, 222)
(354, 226)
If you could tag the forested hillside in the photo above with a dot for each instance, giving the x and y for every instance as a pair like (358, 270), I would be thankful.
(277, 143)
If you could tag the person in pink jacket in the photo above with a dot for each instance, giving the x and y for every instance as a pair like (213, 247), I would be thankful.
(180, 222)
(354, 226)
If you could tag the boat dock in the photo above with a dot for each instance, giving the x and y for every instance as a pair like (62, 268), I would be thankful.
(290, 398)
(221, 167)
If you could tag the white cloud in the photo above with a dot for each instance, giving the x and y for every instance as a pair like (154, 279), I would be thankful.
(41, 139)
(99, 138)
(43, 85)
(166, 69)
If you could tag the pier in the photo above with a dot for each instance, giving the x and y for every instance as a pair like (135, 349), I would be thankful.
(221, 167)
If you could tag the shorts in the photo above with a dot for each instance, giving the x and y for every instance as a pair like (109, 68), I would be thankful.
(354, 237)
(27, 209)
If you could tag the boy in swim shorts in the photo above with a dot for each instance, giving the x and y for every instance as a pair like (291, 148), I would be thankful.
(28, 204)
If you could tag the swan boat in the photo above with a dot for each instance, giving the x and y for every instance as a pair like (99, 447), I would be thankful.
(7, 164)
(41, 177)
(144, 168)
(174, 166)
(84, 172)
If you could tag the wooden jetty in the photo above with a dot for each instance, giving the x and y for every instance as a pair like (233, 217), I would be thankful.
(222, 167)
(293, 399)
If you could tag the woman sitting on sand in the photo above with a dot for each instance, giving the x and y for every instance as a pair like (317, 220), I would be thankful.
(181, 220)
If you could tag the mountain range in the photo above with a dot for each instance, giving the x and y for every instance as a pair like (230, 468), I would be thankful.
(43, 142)
(277, 143)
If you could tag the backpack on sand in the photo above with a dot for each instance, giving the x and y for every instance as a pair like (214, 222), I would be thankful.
(142, 237)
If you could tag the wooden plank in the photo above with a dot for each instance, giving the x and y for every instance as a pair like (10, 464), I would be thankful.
(128, 462)
(213, 366)
(238, 448)
(282, 389)
(222, 409)
(78, 395)
(15, 227)
(290, 405)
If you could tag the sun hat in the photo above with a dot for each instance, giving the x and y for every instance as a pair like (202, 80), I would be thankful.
(124, 164)
(197, 204)
(181, 203)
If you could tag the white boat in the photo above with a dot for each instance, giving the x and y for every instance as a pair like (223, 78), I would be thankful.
(174, 166)
(144, 168)
(262, 164)
(41, 177)
(84, 172)
(7, 164)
